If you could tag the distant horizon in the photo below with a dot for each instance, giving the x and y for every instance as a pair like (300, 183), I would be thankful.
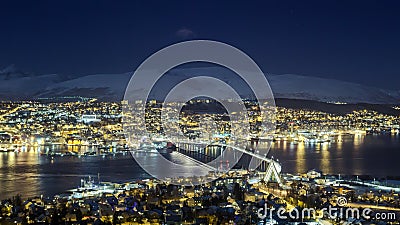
(111, 87)
(75, 76)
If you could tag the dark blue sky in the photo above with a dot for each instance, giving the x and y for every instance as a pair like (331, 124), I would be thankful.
(355, 41)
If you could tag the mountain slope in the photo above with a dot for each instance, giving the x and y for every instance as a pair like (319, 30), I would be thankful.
(111, 87)
(327, 90)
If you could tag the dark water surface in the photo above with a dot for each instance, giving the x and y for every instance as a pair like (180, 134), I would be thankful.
(31, 174)
(375, 155)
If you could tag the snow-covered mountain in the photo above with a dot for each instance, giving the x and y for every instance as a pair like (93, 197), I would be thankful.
(24, 87)
(328, 90)
(112, 86)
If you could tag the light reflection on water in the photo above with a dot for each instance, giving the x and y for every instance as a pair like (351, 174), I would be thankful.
(375, 155)
(31, 174)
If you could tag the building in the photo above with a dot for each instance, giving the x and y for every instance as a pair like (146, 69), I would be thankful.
(89, 119)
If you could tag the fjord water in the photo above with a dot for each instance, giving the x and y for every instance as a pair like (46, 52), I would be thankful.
(30, 174)
(374, 155)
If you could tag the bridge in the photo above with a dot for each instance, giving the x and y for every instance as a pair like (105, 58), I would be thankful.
(219, 156)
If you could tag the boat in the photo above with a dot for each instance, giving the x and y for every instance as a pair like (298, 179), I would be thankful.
(89, 154)
(6, 149)
(89, 188)
(165, 150)
(69, 153)
(146, 147)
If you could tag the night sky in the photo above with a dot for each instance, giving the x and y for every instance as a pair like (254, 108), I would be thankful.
(357, 41)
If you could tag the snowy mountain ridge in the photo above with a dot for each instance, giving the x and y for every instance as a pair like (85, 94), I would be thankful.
(15, 85)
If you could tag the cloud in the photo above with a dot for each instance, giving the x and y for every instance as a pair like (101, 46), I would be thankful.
(185, 33)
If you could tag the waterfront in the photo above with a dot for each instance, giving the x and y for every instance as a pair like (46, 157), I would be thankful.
(375, 155)
(30, 174)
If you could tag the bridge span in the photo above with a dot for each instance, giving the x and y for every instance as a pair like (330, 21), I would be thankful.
(220, 157)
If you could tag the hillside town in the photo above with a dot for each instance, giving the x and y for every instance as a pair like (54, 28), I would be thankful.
(233, 198)
(237, 197)
(93, 123)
